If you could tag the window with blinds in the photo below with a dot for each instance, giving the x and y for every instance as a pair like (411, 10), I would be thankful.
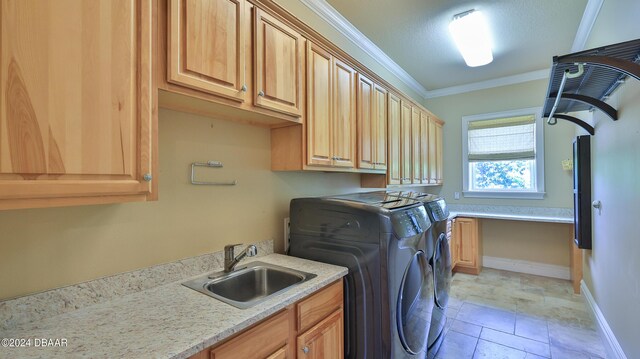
(502, 154)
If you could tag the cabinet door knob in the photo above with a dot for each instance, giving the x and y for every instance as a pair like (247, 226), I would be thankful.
(305, 350)
(244, 88)
(147, 177)
(261, 93)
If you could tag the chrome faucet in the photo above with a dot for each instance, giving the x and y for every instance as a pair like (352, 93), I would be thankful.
(230, 261)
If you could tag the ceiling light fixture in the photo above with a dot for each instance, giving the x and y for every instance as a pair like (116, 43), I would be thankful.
(471, 34)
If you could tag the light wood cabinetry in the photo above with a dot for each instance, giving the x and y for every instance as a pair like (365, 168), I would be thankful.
(268, 339)
(76, 103)
(310, 328)
(424, 147)
(372, 125)
(467, 245)
(321, 341)
(416, 150)
(278, 64)
(331, 117)
(394, 173)
(435, 151)
(206, 46)
(405, 142)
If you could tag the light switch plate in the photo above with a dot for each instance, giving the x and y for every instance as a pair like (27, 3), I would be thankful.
(456, 195)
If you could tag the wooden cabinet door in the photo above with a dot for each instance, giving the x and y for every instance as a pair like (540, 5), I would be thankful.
(379, 126)
(416, 166)
(405, 142)
(439, 154)
(424, 148)
(278, 60)
(280, 353)
(76, 124)
(325, 340)
(265, 340)
(366, 126)
(433, 162)
(467, 234)
(206, 46)
(393, 108)
(454, 241)
(319, 113)
(344, 115)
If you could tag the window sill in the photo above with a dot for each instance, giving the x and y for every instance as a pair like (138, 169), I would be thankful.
(505, 195)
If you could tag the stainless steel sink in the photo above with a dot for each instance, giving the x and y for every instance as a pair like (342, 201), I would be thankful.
(250, 285)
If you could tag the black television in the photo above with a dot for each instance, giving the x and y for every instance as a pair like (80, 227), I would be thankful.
(582, 191)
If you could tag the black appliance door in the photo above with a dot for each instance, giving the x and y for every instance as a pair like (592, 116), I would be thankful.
(415, 304)
(442, 268)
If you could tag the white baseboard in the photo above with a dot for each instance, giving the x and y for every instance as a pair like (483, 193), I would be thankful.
(612, 347)
(522, 266)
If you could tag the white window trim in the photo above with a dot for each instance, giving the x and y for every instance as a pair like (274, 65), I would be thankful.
(539, 193)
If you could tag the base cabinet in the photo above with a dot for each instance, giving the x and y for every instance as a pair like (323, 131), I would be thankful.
(311, 328)
(466, 253)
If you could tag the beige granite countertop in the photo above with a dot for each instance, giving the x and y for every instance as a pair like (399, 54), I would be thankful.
(513, 213)
(169, 321)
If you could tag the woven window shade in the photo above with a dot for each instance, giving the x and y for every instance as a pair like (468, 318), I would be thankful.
(502, 139)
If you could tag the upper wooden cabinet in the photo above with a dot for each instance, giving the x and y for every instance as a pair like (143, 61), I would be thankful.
(206, 46)
(416, 149)
(424, 147)
(393, 172)
(331, 115)
(405, 142)
(435, 151)
(76, 123)
(279, 59)
(372, 125)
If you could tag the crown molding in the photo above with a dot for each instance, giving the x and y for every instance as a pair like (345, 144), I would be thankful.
(483, 85)
(342, 25)
(589, 17)
(335, 19)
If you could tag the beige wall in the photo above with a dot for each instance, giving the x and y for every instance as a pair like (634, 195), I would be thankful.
(612, 268)
(546, 243)
(529, 94)
(47, 248)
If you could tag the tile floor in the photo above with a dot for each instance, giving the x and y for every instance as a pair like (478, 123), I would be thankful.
(501, 314)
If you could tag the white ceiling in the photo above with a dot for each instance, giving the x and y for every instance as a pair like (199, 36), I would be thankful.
(414, 33)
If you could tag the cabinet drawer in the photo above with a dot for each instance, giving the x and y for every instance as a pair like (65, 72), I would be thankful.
(318, 306)
(261, 341)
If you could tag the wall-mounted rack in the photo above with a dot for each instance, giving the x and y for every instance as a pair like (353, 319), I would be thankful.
(214, 164)
(584, 80)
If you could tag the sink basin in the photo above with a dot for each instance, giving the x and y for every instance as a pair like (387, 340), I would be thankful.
(250, 285)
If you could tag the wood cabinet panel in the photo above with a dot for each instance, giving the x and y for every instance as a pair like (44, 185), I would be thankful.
(405, 143)
(466, 234)
(424, 148)
(76, 123)
(344, 120)
(416, 155)
(312, 309)
(433, 169)
(365, 123)
(261, 341)
(371, 125)
(206, 46)
(278, 63)
(394, 171)
(319, 110)
(325, 340)
(379, 126)
(439, 154)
